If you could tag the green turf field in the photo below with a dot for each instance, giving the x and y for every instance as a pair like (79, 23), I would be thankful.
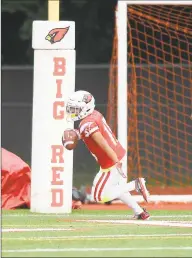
(96, 234)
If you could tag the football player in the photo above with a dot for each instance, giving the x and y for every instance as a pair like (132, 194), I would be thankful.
(111, 181)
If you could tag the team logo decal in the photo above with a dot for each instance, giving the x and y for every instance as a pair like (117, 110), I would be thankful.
(56, 35)
(87, 98)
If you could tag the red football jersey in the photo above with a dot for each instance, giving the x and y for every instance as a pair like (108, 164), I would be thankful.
(95, 122)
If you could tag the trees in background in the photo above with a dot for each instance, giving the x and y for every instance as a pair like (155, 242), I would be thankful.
(94, 28)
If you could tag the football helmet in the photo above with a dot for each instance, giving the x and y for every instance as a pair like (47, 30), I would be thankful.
(79, 105)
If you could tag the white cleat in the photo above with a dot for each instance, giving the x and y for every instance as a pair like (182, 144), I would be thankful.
(141, 188)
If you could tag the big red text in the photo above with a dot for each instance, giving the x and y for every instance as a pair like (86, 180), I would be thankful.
(57, 151)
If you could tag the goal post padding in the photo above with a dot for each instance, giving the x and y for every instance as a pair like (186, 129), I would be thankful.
(158, 90)
(53, 82)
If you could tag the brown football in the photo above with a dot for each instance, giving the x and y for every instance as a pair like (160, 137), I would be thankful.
(70, 139)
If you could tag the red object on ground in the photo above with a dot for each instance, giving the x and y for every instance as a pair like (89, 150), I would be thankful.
(15, 181)
(76, 205)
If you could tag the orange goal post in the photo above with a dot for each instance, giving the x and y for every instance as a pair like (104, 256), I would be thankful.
(150, 92)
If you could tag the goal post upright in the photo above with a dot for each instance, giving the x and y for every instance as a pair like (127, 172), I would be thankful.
(53, 10)
(121, 17)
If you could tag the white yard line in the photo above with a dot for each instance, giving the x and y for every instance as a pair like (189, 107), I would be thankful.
(98, 237)
(4, 230)
(58, 225)
(96, 249)
(89, 215)
(144, 222)
(33, 226)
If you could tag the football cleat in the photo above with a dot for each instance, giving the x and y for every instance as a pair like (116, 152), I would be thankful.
(141, 188)
(142, 216)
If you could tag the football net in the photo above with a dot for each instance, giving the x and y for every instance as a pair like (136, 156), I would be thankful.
(150, 91)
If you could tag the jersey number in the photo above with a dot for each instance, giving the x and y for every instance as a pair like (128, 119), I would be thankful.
(109, 132)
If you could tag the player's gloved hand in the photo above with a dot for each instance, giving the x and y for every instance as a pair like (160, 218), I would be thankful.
(119, 169)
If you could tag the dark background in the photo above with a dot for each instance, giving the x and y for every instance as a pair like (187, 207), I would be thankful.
(94, 21)
(94, 36)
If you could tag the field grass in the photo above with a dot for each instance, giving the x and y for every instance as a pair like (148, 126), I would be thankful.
(96, 234)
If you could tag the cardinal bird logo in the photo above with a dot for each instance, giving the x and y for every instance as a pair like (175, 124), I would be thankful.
(56, 35)
(87, 98)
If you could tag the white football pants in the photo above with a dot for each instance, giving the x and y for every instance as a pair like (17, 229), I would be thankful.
(108, 186)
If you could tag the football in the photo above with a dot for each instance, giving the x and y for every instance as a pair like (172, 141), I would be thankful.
(70, 139)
